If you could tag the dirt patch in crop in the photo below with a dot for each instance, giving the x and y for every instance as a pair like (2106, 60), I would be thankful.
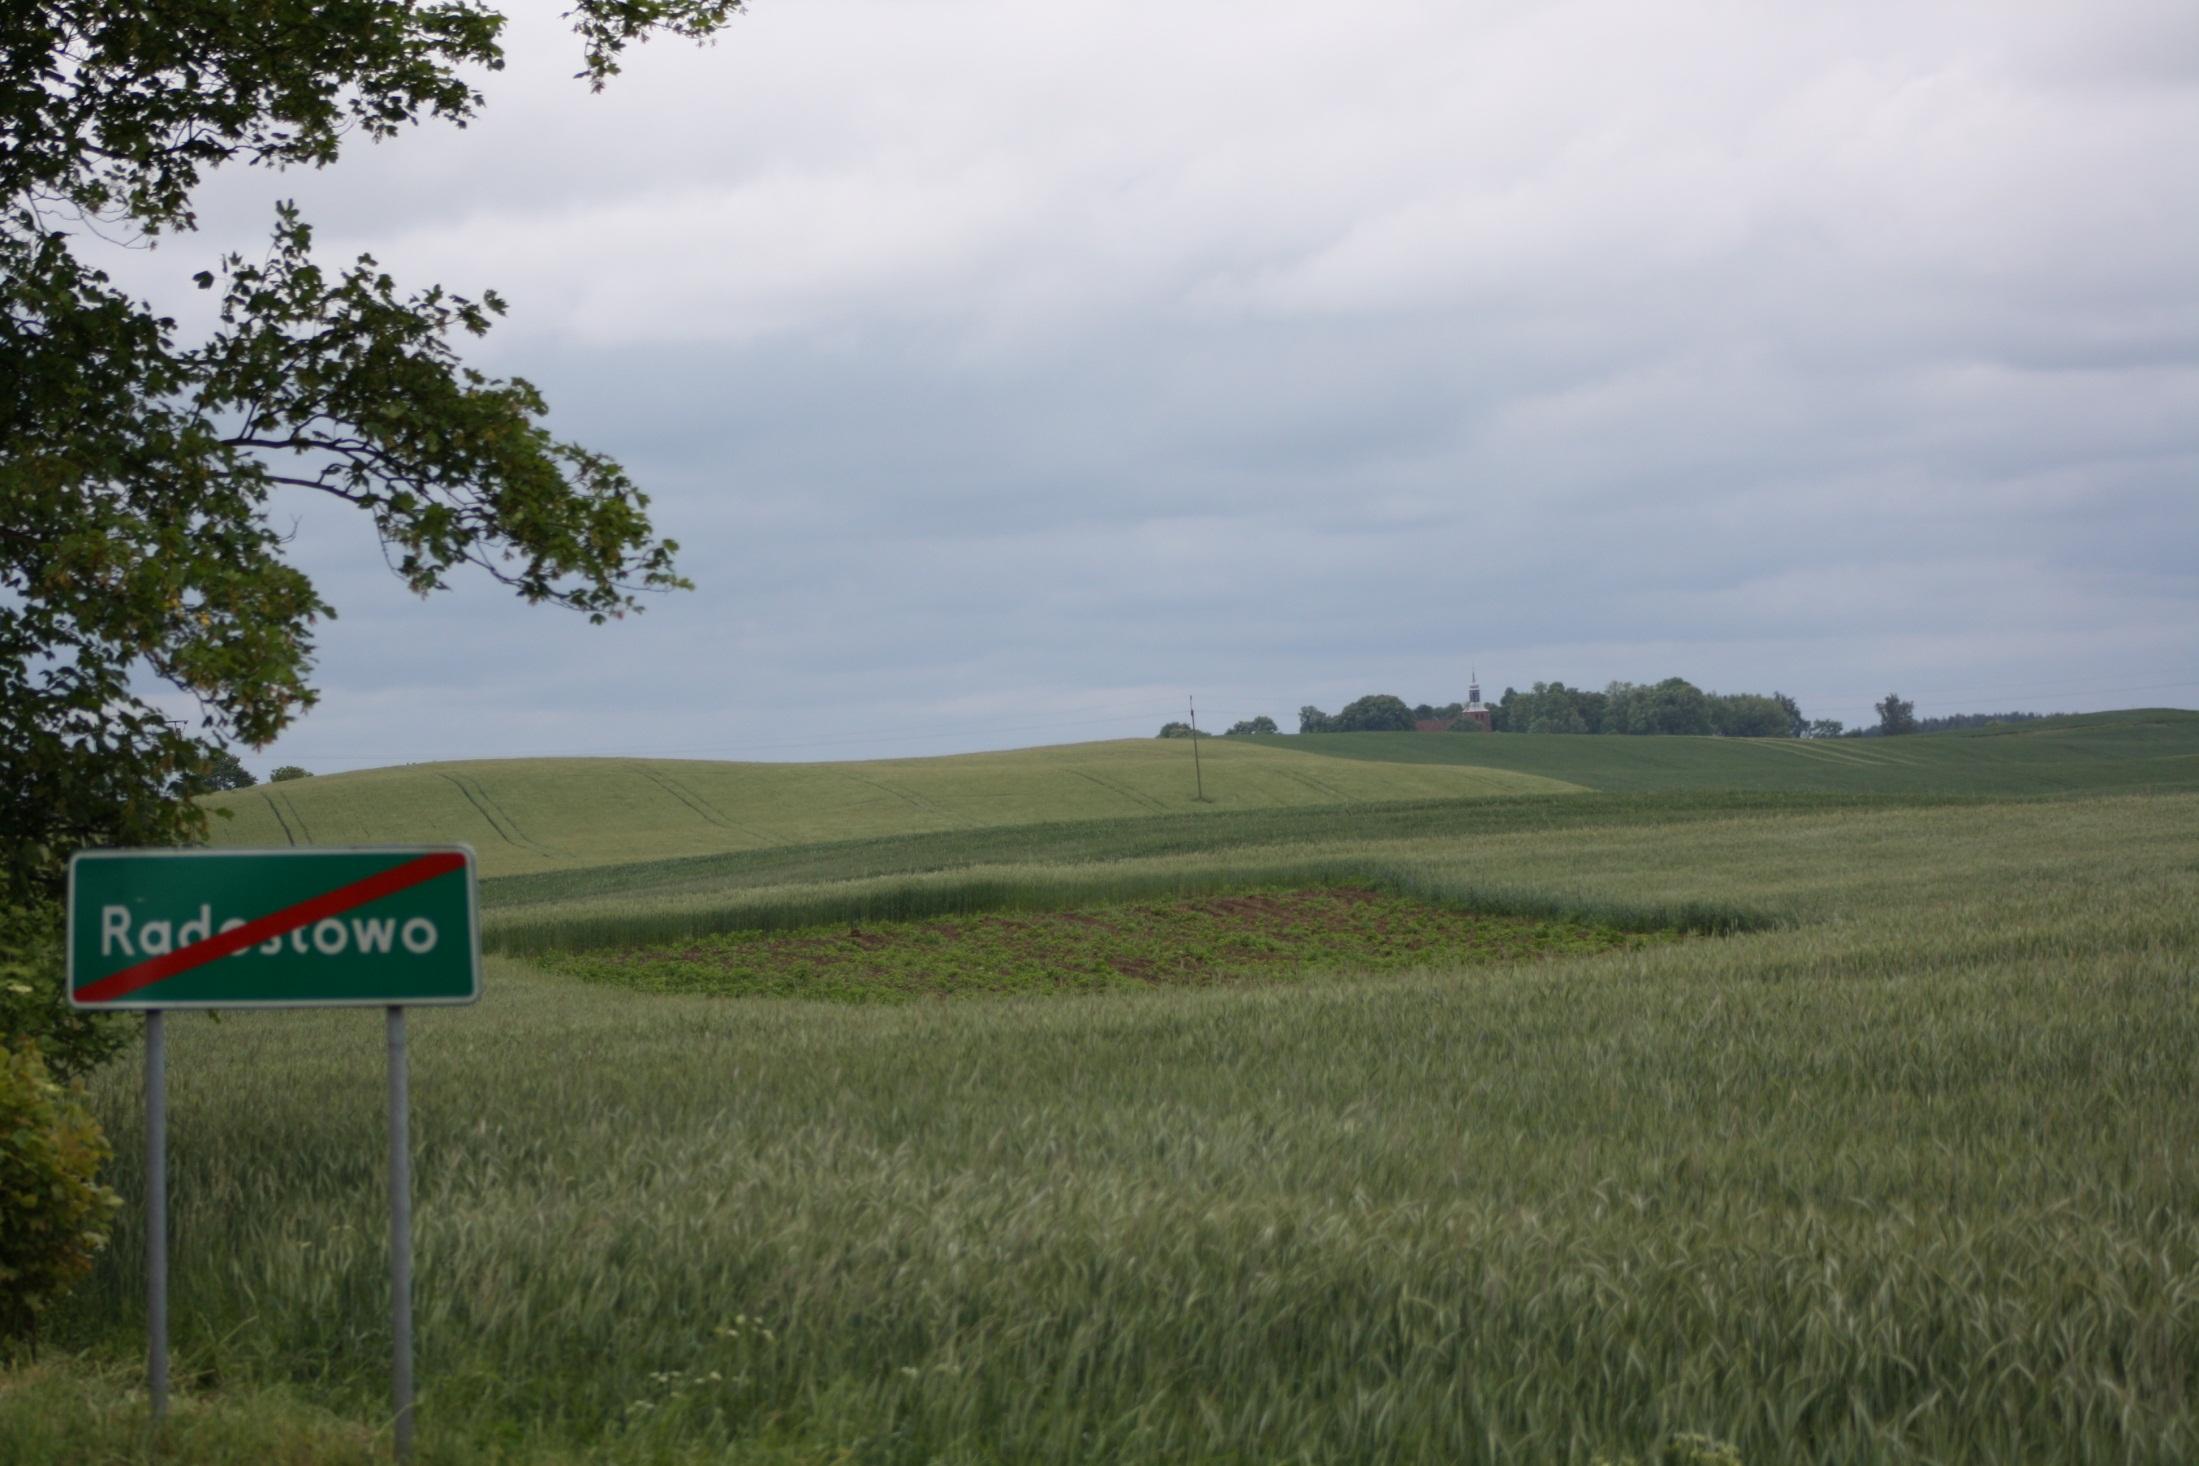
(1188, 942)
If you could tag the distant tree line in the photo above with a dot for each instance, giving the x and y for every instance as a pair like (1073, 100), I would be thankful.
(1674, 705)
(1179, 729)
(1377, 712)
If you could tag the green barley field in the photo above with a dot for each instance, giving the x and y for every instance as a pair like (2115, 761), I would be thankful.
(1626, 1100)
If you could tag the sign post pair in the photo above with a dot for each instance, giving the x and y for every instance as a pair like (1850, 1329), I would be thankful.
(151, 930)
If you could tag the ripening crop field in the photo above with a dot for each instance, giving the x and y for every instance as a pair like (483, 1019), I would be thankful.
(1866, 1136)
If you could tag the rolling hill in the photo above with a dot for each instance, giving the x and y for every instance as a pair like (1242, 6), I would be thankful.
(525, 815)
(543, 815)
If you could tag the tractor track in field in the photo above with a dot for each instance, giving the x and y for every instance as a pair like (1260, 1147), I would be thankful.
(1145, 800)
(698, 804)
(276, 810)
(912, 800)
(292, 805)
(483, 805)
(1302, 777)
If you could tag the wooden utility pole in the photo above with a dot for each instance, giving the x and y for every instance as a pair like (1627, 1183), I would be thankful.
(1198, 777)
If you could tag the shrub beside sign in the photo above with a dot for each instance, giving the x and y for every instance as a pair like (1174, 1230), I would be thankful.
(272, 928)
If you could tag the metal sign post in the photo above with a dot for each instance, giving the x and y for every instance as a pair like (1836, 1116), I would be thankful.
(151, 930)
(400, 1233)
(156, 1212)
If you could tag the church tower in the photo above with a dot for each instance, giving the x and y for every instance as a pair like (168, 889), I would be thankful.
(1476, 712)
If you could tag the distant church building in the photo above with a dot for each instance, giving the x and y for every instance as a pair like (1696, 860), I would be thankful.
(1476, 712)
(1473, 717)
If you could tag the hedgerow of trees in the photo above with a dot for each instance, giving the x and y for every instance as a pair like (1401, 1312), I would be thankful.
(1673, 706)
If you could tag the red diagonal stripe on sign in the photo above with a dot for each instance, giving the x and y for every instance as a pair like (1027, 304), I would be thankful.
(401, 877)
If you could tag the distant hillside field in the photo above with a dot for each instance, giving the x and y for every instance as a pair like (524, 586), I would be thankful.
(540, 815)
(525, 815)
(2151, 748)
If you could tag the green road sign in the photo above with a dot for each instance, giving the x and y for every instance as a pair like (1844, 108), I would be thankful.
(272, 928)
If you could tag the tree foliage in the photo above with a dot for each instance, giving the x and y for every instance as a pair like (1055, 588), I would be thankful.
(139, 469)
(1377, 712)
(1896, 715)
(53, 1210)
(287, 772)
(220, 770)
(1261, 724)
(72, 1042)
(1748, 715)
(1552, 707)
(1673, 706)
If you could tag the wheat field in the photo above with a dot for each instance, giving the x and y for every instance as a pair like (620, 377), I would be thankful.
(1891, 1163)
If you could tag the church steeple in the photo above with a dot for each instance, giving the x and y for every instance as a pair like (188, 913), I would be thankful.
(1476, 713)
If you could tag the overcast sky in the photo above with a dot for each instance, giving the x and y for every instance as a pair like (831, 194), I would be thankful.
(1009, 371)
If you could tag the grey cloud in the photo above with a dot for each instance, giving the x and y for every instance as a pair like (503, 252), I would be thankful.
(1007, 367)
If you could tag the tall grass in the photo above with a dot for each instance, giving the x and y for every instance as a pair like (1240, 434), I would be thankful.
(1906, 1179)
